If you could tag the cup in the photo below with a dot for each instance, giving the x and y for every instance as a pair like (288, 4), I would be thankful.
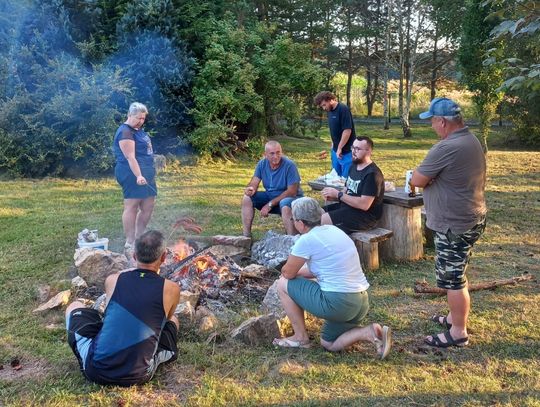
(408, 189)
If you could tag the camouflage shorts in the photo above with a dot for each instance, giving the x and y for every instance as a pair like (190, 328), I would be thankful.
(452, 256)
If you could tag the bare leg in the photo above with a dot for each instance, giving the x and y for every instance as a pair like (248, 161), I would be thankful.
(146, 208)
(129, 218)
(247, 215)
(325, 219)
(72, 306)
(293, 311)
(175, 321)
(368, 333)
(459, 303)
(286, 215)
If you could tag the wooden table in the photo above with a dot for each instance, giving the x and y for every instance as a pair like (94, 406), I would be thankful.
(402, 215)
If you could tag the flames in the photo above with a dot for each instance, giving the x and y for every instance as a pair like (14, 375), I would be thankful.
(202, 263)
(181, 250)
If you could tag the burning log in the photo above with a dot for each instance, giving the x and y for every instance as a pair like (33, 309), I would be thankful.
(423, 287)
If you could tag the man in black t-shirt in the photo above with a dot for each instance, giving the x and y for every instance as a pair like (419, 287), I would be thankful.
(341, 126)
(360, 203)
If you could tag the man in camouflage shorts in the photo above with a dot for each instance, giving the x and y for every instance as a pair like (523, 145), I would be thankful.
(453, 176)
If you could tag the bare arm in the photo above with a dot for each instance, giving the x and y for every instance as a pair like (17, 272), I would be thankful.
(252, 187)
(362, 202)
(291, 191)
(110, 285)
(292, 268)
(128, 149)
(420, 180)
(171, 297)
(344, 139)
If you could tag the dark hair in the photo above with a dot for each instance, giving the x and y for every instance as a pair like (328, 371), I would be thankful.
(367, 140)
(149, 246)
(323, 96)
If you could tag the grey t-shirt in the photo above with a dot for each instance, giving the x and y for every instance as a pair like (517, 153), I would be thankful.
(455, 198)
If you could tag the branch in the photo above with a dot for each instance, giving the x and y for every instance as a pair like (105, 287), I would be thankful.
(423, 287)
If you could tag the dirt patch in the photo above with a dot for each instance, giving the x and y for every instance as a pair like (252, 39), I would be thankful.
(21, 369)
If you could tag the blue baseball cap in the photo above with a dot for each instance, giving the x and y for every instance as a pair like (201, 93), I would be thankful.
(441, 107)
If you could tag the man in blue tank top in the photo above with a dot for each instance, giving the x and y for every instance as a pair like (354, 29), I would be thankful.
(138, 331)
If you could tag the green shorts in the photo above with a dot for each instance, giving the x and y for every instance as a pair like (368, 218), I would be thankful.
(341, 311)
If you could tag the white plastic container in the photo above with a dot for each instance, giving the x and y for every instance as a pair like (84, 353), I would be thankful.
(408, 190)
(102, 243)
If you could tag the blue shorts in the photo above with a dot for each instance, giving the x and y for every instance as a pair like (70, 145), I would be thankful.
(341, 311)
(262, 198)
(341, 165)
(128, 182)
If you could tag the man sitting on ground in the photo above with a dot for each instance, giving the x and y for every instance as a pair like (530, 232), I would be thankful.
(281, 182)
(138, 331)
(360, 203)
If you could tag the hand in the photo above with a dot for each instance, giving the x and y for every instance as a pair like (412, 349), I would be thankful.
(249, 191)
(329, 193)
(339, 153)
(265, 211)
(141, 180)
(187, 223)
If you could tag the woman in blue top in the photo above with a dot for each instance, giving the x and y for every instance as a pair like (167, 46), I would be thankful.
(135, 172)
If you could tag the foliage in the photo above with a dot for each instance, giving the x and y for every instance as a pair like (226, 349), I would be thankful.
(55, 112)
(247, 85)
(223, 92)
(160, 75)
(520, 30)
(483, 80)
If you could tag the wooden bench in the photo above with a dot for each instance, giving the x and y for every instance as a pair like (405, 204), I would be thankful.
(367, 243)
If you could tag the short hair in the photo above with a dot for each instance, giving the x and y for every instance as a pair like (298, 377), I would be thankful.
(457, 118)
(136, 108)
(307, 210)
(368, 140)
(271, 143)
(323, 96)
(149, 246)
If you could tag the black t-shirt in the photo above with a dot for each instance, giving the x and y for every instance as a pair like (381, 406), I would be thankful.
(341, 119)
(370, 182)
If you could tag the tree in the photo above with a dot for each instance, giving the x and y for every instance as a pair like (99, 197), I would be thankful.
(483, 80)
(518, 34)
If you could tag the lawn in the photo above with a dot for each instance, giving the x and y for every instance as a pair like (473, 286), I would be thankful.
(40, 219)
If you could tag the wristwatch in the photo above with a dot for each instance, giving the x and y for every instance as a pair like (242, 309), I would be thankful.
(339, 195)
(270, 204)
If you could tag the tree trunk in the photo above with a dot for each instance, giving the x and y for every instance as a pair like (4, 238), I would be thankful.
(387, 67)
(433, 82)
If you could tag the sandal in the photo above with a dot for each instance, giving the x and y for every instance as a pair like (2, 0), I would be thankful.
(441, 320)
(385, 343)
(290, 343)
(436, 341)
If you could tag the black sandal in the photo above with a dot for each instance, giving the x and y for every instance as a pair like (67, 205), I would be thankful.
(436, 342)
(444, 322)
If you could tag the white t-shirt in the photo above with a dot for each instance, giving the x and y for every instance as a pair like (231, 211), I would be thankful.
(332, 258)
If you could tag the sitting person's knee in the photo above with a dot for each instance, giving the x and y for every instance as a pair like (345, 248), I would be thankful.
(282, 284)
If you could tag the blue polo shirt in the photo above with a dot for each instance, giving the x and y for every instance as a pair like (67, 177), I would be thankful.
(276, 181)
(341, 119)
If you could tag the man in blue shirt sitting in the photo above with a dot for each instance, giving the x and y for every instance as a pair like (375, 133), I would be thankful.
(281, 181)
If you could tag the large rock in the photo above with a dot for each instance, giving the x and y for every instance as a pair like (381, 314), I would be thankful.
(238, 241)
(95, 265)
(206, 320)
(60, 299)
(258, 330)
(188, 296)
(271, 302)
(273, 249)
(222, 250)
(185, 313)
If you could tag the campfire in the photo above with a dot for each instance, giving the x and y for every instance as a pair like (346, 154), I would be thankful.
(203, 272)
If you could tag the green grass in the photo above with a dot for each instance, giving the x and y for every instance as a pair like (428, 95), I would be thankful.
(39, 221)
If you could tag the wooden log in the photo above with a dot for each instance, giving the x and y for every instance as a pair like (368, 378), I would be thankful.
(369, 254)
(406, 223)
(422, 287)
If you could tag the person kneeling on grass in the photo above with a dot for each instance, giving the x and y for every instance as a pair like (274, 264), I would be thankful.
(138, 331)
(339, 296)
